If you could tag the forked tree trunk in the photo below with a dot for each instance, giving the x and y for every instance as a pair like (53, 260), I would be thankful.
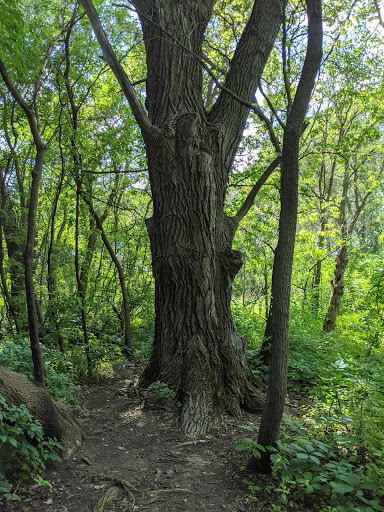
(196, 350)
(190, 152)
(337, 290)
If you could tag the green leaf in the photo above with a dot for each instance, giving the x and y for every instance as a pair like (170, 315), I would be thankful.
(315, 459)
(341, 488)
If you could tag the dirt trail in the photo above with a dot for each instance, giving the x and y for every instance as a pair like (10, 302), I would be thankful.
(141, 457)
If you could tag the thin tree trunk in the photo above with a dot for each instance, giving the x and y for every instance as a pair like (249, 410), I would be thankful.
(316, 284)
(50, 275)
(341, 260)
(4, 287)
(120, 271)
(337, 290)
(14, 236)
(277, 329)
(317, 269)
(80, 290)
(33, 322)
(38, 366)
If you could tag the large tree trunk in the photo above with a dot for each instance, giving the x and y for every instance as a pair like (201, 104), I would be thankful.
(56, 418)
(196, 350)
(337, 290)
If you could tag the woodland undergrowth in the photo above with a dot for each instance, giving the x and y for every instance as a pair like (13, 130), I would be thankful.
(328, 459)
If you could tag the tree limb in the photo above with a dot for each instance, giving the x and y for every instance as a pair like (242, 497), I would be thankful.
(246, 68)
(244, 209)
(118, 70)
(39, 143)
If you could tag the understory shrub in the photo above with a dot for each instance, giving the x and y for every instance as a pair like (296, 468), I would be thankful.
(24, 451)
(317, 465)
(15, 355)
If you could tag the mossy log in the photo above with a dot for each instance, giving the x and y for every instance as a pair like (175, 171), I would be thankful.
(56, 418)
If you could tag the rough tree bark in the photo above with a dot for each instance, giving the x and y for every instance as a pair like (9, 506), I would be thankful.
(337, 290)
(196, 350)
(341, 261)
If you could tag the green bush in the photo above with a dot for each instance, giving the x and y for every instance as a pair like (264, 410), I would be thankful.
(15, 355)
(325, 469)
(316, 464)
(23, 449)
(160, 390)
(354, 389)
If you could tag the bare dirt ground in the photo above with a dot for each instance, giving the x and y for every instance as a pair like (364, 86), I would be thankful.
(135, 459)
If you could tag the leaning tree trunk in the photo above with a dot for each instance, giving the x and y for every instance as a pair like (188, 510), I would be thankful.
(337, 290)
(120, 271)
(29, 252)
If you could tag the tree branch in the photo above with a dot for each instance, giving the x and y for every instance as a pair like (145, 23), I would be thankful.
(310, 67)
(39, 143)
(118, 70)
(381, 21)
(246, 68)
(244, 209)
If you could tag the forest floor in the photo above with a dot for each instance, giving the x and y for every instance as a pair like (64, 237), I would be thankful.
(137, 455)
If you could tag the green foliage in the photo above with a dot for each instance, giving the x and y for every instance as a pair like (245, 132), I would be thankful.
(332, 461)
(24, 451)
(160, 390)
(143, 324)
(326, 468)
(11, 29)
(250, 445)
(89, 360)
(61, 379)
(319, 470)
(354, 388)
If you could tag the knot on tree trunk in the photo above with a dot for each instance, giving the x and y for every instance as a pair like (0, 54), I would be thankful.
(231, 261)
